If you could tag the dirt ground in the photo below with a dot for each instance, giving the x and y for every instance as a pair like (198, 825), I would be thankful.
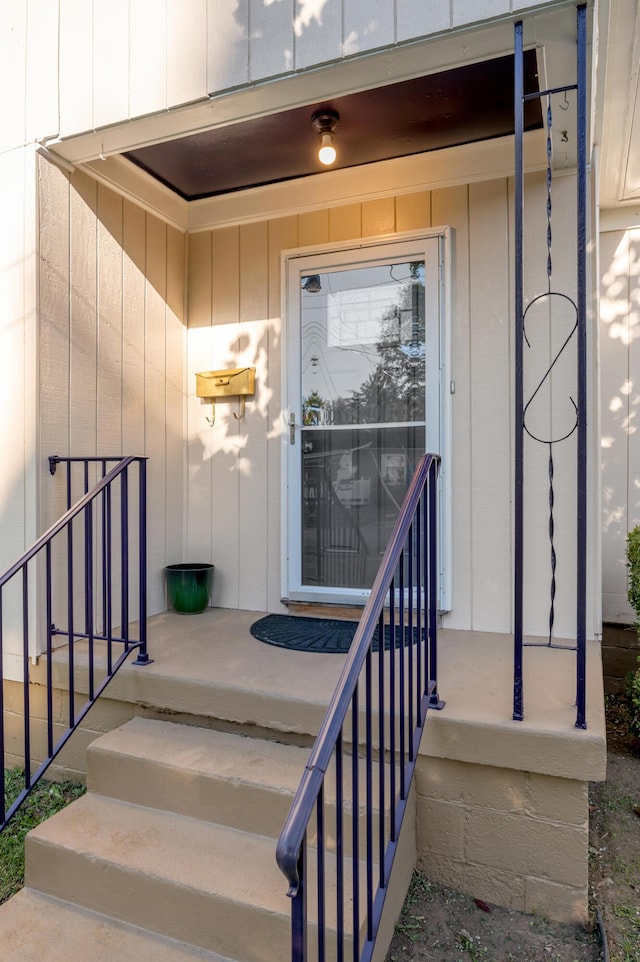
(441, 925)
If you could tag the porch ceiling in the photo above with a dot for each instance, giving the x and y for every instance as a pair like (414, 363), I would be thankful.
(453, 107)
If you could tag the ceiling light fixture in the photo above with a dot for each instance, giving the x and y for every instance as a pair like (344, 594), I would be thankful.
(325, 122)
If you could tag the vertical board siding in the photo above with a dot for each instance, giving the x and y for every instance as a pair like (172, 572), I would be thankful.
(83, 257)
(115, 60)
(226, 438)
(227, 44)
(148, 44)
(368, 24)
(241, 460)
(111, 350)
(75, 71)
(111, 61)
(491, 363)
(199, 358)
(451, 206)
(620, 406)
(253, 347)
(271, 51)
(283, 235)
(15, 506)
(108, 435)
(41, 81)
(13, 44)
(186, 50)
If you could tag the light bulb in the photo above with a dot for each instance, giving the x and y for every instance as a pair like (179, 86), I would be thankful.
(327, 152)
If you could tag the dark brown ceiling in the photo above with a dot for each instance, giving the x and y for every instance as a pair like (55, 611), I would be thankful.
(440, 110)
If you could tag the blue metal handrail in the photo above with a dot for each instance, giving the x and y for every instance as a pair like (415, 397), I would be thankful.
(399, 622)
(62, 601)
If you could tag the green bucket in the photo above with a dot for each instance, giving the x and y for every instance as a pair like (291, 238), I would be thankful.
(189, 587)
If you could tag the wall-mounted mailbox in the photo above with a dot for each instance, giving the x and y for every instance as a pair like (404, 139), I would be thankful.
(234, 382)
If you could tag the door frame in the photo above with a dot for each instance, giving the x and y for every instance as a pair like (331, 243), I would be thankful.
(306, 260)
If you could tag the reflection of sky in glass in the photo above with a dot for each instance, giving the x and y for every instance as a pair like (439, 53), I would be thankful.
(348, 317)
(353, 317)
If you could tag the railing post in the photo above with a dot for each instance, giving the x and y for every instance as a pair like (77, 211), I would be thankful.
(518, 496)
(143, 655)
(432, 482)
(25, 675)
(299, 910)
(2, 807)
(581, 573)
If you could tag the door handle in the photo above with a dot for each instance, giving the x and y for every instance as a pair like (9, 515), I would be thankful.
(292, 428)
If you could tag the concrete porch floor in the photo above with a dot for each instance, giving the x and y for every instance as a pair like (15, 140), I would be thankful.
(209, 666)
(501, 806)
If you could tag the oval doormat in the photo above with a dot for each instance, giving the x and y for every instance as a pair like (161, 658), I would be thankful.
(326, 635)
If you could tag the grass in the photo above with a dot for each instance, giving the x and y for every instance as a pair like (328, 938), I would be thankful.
(46, 799)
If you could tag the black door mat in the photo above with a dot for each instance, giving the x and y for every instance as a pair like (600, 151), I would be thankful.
(325, 635)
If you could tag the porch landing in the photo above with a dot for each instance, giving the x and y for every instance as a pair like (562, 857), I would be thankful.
(209, 666)
(501, 806)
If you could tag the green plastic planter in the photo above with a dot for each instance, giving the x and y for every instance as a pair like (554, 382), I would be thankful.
(189, 587)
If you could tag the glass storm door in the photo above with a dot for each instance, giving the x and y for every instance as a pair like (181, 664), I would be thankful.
(366, 339)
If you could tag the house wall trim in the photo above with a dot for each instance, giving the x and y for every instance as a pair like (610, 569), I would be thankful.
(471, 163)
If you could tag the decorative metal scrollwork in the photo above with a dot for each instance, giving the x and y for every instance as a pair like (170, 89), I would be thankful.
(551, 297)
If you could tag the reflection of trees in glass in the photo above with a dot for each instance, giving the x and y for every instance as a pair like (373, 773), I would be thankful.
(314, 410)
(395, 389)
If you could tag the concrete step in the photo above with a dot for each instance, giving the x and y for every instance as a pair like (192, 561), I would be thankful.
(205, 884)
(245, 783)
(38, 928)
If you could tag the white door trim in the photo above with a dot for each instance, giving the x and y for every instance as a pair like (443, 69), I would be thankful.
(309, 260)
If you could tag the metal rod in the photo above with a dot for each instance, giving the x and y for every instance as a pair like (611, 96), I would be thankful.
(432, 492)
(321, 876)
(107, 625)
(49, 619)
(392, 705)
(88, 588)
(538, 94)
(143, 656)
(339, 851)
(421, 600)
(2, 805)
(518, 501)
(355, 824)
(105, 565)
(401, 679)
(299, 911)
(25, 677)
(368, 733)
(70, 619)
(381, 747)
(124, 554)
(412, 641)
(581, 573)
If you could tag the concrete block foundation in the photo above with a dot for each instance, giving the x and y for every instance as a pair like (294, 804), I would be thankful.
(518, 839)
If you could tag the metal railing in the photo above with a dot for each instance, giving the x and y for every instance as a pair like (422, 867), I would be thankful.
(82, 603)
(580, 333)
(340, 837)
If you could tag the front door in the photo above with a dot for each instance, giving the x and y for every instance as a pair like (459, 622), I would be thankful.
(364, 377)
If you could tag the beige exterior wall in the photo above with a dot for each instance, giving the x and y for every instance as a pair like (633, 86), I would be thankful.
(236, 318)
(126, 58)
(111, 335)
(620, 406)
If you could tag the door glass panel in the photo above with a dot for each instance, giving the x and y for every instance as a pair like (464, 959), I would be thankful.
(363, 414)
